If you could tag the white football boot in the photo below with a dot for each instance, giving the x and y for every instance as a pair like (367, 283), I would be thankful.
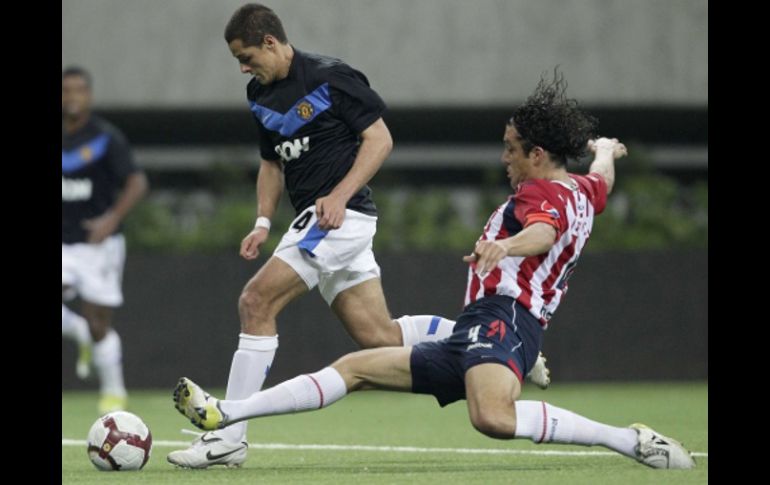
(208, 450)
(658, 451)
(540, 375)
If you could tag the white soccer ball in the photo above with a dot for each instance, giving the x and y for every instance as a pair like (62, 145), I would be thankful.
(119, 441)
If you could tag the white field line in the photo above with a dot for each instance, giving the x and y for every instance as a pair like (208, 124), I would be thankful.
(398, 449)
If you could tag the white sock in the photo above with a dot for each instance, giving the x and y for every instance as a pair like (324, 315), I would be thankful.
(303, 393)
(424, 328)
(544, 423)
(108, 360)
(248, 371)
(74, 326)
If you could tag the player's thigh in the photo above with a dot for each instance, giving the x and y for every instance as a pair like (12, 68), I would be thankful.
(274, 286)
(383, 368)
(364, 313)
(491, 390)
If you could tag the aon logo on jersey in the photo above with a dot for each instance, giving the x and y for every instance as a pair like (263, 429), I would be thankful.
(73, 190)
(291, 150)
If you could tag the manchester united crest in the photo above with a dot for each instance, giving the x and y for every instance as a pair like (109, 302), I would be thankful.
(86, 154)
(305, 110)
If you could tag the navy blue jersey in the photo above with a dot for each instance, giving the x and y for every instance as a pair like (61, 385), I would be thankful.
(95, 162)
(311, 121)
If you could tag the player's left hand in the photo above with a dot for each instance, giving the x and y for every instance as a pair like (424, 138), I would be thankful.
(486, 255)
(100, 228)
(330, 211)
(611, 145)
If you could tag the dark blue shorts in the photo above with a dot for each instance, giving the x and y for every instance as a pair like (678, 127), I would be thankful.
(491, 330)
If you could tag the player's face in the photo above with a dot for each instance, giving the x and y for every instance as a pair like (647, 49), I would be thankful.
(75, 96)
(517, 163)
(261, 62)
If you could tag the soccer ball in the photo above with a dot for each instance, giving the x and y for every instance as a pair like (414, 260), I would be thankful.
(119, 441)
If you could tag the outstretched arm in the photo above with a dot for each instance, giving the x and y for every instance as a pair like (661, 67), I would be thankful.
(534, 239)
(606, 150)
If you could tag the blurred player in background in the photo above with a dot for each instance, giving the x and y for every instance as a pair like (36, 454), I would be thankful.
(100, 184)
(322, 136)
(517, 277)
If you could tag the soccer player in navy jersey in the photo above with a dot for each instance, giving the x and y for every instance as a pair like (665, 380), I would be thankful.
(322, 137)
(517, 276)
(100, 184)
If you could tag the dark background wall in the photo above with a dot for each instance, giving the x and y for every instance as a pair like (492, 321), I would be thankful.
(649, 124)
(627, 316)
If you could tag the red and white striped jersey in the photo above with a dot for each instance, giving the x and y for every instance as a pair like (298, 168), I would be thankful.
(539, 282)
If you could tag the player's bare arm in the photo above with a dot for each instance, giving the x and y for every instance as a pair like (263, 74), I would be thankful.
(376, 144)
(607, 150)
(101, 227)
(535, 239)
(269, 190)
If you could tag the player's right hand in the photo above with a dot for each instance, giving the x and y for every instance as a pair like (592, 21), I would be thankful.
(251, 243)
(330, 212)
(487, 255)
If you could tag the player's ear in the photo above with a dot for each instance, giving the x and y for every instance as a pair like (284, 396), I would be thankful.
(538, 155)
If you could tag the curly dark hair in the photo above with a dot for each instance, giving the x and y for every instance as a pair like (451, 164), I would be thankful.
(251, 23)
(550, 120)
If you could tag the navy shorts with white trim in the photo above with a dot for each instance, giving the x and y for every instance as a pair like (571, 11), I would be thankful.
(495, 329)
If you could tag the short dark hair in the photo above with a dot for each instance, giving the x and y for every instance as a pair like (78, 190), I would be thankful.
(77, 71)
(550, 120)
(251, 23)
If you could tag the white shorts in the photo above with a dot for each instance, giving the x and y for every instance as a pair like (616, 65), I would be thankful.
(95, 271)
(334, 260)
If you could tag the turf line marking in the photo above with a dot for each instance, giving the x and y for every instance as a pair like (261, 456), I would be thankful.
(398, 449)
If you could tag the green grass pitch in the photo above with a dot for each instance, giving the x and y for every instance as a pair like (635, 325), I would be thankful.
(391, 423)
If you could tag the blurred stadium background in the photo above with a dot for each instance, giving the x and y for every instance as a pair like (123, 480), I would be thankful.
(451, 71)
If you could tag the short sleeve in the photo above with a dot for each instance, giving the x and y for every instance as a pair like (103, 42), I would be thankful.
(120, 157)
(353, 100)
(595, 188)
(534, 205)
(266, 149)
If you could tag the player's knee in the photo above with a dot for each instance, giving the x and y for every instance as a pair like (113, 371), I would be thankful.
(257, 317)
(347, 368)
(252, 301)
(494, 422)
(98, 328)
(99, 321)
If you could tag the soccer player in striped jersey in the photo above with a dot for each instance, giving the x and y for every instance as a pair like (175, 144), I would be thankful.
(517, 277)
